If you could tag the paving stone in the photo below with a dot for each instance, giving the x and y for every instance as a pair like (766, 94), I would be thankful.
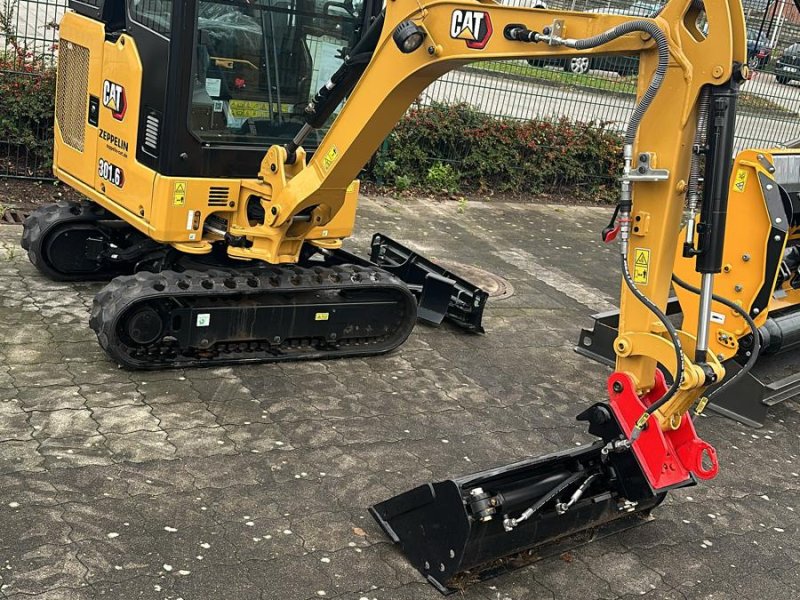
(20, 456)
(252, 482)
(140, 446)
(125, 419)
(76, 451)
(14, 423)
(200, 441)
(63, 423)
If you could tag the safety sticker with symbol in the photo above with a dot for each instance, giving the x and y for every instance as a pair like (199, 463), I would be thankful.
(740, 181)
(179, 195)
(641, 265)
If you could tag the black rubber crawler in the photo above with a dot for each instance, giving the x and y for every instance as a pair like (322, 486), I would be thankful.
(168, 293)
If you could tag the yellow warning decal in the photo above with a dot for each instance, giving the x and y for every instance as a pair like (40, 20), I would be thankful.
(321, 316)
(179, 195)
(249, 109)
(329, 158)
(641, 265)
(740, 181)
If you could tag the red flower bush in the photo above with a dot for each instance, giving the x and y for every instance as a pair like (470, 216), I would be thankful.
(27, 97)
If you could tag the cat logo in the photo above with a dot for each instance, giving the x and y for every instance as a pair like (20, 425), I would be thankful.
(472, 26)
(114, 99)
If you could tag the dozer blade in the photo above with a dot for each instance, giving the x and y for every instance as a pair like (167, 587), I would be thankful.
(463, 530)
(440, 294)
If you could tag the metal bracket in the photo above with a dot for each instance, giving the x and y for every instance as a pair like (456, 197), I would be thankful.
(556, 33)
(644, 172)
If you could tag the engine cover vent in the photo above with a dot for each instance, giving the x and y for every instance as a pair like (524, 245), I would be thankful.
(218, 196)
(152, 127)
(72, 93)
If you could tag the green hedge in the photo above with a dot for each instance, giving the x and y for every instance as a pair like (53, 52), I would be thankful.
(27, 97)
(456, 149)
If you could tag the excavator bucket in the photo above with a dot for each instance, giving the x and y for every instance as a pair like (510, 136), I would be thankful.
(458, 531)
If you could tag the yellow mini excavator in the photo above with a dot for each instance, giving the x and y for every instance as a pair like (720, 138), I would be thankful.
(760, 271)
(160, 163)
(164, 112)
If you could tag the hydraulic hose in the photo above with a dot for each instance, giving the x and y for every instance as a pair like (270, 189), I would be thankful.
(693, 187)
(676, 344)
(756, 349)
(658, 77)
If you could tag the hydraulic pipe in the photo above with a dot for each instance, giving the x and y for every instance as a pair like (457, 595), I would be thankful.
(704, 318)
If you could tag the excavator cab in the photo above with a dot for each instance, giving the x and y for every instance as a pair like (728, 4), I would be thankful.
(224, 80)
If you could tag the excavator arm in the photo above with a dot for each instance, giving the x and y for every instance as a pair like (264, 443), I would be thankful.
(681, 131)
(687, 77)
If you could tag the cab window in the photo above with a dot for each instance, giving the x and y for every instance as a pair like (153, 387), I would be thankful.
(153, 14)
(257, 64)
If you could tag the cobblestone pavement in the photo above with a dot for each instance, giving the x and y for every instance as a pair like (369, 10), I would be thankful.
(253, 482)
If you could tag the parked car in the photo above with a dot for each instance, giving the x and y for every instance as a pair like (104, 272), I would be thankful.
(759, 50)
(787, 67)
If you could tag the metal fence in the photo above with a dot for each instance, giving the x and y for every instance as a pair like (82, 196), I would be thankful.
(584, 90)
(28, 44)
(604, 89)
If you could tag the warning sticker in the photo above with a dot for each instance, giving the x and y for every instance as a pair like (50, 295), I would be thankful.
(179, 194)
(741, 180)
(641, 265)
(329, 158)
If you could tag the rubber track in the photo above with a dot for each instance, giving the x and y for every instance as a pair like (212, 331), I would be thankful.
(123, 293)
(41, 221)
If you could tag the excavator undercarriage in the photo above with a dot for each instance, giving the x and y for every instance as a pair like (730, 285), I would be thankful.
(168, 309)
(177, 208)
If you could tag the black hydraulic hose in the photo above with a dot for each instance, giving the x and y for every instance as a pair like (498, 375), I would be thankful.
(676, 343)
(754, 352)
(693, 186)
(658, 77)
